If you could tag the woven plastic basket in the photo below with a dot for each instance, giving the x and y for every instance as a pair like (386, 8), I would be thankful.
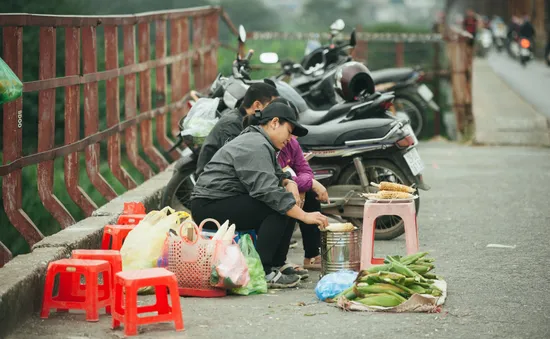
(192, 263)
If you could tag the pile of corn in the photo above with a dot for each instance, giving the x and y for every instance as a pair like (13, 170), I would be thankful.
(390, 190)
(394, 282)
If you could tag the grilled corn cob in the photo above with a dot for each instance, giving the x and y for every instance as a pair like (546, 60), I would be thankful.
(390, 186)
(393, 195)
(340, 227)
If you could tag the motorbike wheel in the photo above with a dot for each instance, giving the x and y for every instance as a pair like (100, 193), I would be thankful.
(410, 102)
(177, 193)
(387, 227)
(523, 61)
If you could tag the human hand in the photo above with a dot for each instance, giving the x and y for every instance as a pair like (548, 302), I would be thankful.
(320, 190)
(316, 218)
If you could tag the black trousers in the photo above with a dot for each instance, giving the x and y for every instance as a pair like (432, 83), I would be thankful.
(274, 230)
(311, 235)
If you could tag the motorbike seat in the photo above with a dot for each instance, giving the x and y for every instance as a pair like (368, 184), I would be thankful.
(391, 75)
(335, 134)
(311, 117)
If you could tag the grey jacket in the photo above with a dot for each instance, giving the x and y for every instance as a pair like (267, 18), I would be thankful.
(245, 165)
(226, 129)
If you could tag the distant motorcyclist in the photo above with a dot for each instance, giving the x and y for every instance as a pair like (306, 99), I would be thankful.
(526, 30)
(513, 28)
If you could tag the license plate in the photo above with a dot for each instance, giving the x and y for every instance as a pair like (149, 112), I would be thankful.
(414, 161)
(525, 52)
(425, 92)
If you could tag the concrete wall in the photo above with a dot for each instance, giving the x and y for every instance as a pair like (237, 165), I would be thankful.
(22, 279)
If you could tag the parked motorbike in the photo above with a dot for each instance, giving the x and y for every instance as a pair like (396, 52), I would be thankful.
(499, 35)
(353, 144)
(312, 78)
(484, 42)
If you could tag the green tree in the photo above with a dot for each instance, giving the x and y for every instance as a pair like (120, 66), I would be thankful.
(253, 15)
(321, 13)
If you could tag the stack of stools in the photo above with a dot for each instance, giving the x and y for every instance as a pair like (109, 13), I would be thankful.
(132, 214)
(114, 235)
(117, 285)
(373, 209)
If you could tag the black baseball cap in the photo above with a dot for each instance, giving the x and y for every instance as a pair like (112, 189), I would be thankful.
(281, 110)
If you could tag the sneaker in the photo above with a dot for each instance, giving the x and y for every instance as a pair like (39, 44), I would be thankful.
(293, 243)
(276, 279)
(291, 269)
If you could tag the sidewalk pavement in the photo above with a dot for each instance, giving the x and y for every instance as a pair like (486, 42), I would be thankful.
(502, 116)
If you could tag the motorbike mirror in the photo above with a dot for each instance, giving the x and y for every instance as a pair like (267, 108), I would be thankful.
(269, 58)
(353, 39)
(338, 25)
(242, 33)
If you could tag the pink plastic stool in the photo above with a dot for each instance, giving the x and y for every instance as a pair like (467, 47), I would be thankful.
(373, 210)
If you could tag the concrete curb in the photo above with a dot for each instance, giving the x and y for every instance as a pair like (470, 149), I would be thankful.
(22, 279)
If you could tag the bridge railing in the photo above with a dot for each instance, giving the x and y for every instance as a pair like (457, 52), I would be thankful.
(155, 57)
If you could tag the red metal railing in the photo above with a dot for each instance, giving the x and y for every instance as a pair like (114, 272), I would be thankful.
(198, 60)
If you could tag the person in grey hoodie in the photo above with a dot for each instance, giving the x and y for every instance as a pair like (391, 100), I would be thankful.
(243, 183)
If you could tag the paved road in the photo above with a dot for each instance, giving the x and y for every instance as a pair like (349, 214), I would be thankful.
(479, 196)
(502, 115)
(531, 82)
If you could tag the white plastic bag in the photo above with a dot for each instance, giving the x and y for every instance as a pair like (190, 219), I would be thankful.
(201, 118)
(143, 246)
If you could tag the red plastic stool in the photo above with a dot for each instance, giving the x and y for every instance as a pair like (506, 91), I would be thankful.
(130, 219)
(373, 210)
(132, 213)
(131, 281)
(96, 296)
(111, 256)
(115, 234)
(133, 208)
